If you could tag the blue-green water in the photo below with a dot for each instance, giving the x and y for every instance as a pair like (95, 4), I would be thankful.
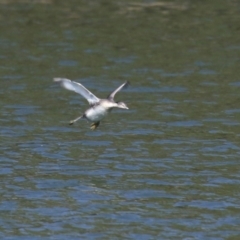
(168, 168)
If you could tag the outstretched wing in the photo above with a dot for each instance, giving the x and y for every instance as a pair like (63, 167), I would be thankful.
(124, 85)
(78, 88)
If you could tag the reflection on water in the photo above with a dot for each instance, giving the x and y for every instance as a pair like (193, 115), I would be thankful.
(166, 169)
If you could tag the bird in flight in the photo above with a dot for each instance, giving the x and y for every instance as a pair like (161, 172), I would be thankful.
(99, 108)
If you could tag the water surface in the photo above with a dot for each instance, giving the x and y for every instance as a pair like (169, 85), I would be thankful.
(166, 169)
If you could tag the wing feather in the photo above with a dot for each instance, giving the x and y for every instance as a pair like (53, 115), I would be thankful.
(124, 85)
(78, 88)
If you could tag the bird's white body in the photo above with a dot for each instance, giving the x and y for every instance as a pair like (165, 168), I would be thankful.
(99, 111)
(96, 113)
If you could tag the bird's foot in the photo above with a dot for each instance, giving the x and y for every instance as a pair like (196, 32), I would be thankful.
(94, 125)
(73, 121)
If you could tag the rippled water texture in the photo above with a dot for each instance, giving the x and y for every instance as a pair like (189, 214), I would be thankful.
(168, 168)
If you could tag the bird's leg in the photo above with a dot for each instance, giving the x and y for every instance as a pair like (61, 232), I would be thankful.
(94, 125)
(73, 121)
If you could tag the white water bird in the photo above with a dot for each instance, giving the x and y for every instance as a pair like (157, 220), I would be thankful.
(99, 107)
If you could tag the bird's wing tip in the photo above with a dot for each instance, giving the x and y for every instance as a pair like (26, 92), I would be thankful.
(56, 79)
(127, 83)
